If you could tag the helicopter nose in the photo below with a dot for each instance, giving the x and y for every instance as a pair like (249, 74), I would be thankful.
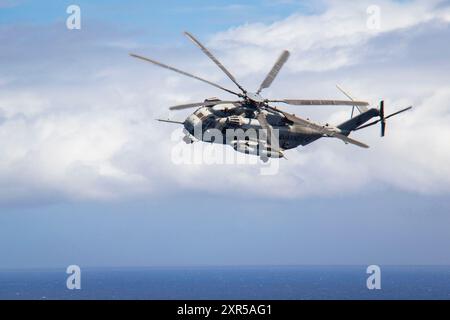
(191, 123)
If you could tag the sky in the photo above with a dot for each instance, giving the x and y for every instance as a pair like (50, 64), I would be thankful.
(87, 175)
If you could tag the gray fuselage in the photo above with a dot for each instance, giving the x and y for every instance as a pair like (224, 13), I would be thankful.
(206, 123)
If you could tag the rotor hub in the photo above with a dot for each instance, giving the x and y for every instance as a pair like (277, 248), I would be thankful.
(255, 97)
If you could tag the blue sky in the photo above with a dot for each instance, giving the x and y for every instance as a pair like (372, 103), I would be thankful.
(399, 229)
(158, 18)
(86, 176)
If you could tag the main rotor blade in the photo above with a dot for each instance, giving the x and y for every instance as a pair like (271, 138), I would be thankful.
(271, 139)
(361, 109)
(274, 72)
(321, 129)
(201, 104)
(350, 140)
(344, 92)
(170, 121)
(183, 73)
(321, 102)
(214, 59)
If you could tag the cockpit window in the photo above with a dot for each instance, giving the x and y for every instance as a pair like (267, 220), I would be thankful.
(208, 122)
(200, 115)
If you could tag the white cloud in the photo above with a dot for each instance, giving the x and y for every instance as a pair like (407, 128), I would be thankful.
(332, 39)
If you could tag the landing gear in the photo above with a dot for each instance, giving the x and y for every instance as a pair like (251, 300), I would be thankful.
(187, 139)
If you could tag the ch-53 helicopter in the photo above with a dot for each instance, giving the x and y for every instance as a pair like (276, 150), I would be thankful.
(276, 130)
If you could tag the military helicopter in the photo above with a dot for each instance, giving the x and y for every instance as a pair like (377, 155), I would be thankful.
(276, 130)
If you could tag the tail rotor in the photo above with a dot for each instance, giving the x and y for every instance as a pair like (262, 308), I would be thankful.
(382, 119)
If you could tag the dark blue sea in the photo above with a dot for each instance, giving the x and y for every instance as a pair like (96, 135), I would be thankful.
(290, 282)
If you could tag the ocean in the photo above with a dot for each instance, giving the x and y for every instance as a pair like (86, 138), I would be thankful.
(238, 283)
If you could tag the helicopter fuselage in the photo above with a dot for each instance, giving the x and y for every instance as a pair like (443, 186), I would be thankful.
(237, 126)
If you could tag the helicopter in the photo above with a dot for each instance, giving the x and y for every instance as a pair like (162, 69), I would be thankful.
(272, 130)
